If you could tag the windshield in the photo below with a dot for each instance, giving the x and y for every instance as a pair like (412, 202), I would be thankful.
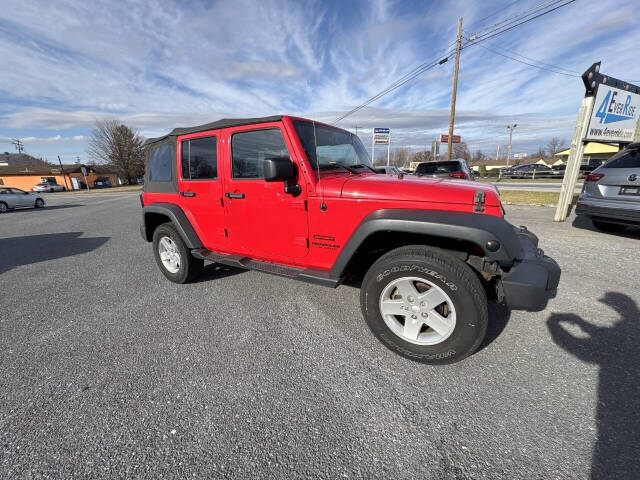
(334, 146)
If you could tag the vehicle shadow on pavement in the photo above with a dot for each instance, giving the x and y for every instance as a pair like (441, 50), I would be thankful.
(19, 251)
(585, 224)
(614, 349)
(498, 319)
(215, 271)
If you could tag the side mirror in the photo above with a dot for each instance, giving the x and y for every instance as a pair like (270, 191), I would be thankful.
(278, 169)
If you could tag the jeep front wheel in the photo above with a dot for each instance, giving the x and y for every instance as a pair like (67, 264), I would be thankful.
(173, 257)
(425, 304)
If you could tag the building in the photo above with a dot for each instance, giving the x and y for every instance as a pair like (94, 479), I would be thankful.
(593, 150)
(26, 177)
(19, 159)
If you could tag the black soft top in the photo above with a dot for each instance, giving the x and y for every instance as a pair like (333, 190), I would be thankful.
(223, 123)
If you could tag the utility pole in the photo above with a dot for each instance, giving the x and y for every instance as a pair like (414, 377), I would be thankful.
(498, 153)
(356, 127)
(18, 144)
(452, 114)
(63, 174)
(510, 128)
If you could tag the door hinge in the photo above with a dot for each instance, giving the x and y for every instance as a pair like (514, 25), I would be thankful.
(226, 234)
(306, 208)
(307, 242)
(221, 202)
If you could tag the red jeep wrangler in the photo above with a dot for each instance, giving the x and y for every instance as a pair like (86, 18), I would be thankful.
(300, 199)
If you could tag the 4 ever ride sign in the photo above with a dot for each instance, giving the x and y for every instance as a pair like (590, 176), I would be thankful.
(615, 115)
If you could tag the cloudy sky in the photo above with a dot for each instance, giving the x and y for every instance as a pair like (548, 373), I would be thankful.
(160, 64)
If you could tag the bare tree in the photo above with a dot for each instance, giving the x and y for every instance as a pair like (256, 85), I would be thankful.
(555, 145)
(117, 145)
(478, 158)
(542, 153)
(424, 156)
(461, 150)
(399, 157)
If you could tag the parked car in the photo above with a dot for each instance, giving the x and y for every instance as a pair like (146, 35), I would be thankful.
(445, 169)
(558, 170)
(590, 165)
(101, 183)
(15, 198)
(298, 198)
(610, 194)
(389, 170)
(529, 170)
(48, 187)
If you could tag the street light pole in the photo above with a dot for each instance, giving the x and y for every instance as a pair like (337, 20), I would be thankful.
(510, 128)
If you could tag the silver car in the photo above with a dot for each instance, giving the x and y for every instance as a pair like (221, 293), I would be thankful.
(611, 193)
(15, 198)
(48, 187)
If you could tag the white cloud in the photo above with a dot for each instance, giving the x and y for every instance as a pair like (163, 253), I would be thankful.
(156, 65)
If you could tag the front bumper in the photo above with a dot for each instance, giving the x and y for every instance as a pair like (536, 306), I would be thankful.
(533, 279)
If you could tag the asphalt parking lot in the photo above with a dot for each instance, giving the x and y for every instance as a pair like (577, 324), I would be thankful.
(109, 370)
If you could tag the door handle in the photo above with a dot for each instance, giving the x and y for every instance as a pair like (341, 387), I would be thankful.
(188, 194)
(234, 195)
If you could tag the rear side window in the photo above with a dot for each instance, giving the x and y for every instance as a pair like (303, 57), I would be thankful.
(160, 163)
(625, 159)
(199, 158)
(437, 167)
(250, 149)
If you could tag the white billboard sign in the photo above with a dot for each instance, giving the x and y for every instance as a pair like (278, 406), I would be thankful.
(615, 115)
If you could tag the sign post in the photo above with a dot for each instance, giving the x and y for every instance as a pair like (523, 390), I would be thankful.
(83, 169)
(609, 113)
(381, 136)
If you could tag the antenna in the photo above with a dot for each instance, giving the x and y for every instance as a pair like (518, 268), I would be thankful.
(323, 206)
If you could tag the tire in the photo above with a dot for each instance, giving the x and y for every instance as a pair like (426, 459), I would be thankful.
(51, 190)
(39, 203)
(608, 227)
(3, 207)
(459, 306)
(181, 267)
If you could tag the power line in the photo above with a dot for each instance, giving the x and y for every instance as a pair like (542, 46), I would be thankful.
(502, 50)
(429, 65)
(495, 12)
(500, 32)
(521, 14)
(527, 63)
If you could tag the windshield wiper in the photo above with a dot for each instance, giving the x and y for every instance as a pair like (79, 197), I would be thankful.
(331, 166)
(361, 165)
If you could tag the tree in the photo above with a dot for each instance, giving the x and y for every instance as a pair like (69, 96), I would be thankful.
(117, 145)
(555, 145)
(460, 150)
(399, 157)
(542, 153)
(424, 156)
(478, 158)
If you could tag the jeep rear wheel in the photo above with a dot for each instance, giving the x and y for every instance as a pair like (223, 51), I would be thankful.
(425, 304)
(173, 257)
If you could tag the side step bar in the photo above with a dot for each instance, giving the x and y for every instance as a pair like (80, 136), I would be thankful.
(320, 277)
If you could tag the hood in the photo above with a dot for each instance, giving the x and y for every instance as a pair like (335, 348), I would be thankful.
(421, 189)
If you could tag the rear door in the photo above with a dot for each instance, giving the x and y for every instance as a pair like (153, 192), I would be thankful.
(200, 187)
(264, 221)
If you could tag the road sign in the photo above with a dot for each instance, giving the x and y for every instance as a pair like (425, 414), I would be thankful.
(615, 115)
(381, 136)
(381, 130)
(445, 138)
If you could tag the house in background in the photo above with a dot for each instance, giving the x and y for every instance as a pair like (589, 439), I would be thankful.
(592, 150)
(26, 177)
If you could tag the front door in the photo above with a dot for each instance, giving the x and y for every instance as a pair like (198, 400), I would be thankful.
(200, 188)
(263, 220)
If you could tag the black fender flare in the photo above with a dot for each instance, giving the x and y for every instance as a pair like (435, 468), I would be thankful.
(177, 217)
(472, 227)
